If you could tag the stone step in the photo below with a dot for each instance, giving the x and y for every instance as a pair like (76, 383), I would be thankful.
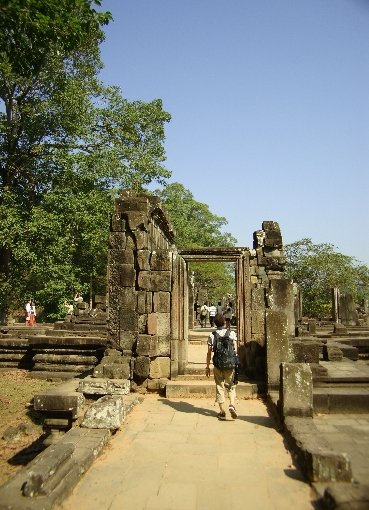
(79, 341)
(206, 389)
(341, 400)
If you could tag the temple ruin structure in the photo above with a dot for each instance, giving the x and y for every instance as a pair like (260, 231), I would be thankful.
(149, 295)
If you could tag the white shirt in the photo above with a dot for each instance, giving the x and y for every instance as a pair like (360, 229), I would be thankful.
(222, 332)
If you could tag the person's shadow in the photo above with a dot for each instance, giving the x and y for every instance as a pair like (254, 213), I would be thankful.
(186, 407)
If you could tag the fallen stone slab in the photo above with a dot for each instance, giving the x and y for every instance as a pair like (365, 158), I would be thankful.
(60, 398)
(42, 472)
(52, 475)
(346, 496)
(95, 386)
(106, 413)
(313, 454)
(78, 448)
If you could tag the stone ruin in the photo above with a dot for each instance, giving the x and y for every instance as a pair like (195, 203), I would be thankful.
(149, 297)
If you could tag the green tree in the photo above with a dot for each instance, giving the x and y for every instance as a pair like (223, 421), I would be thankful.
(66, 142)
(196, 226)
(317, 268)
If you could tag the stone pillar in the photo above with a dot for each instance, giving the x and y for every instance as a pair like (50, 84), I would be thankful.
(140, 286)
(335, 304)
(348, 312)
(280, 297)
(296, 390)
(175, 306)
(277, 351)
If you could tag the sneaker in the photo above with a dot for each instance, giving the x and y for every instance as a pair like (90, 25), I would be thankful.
(233, 412)
(221, 416)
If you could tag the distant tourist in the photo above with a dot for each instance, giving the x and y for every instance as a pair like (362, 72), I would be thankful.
(212, 313)
(78, 298)
(69, 308)
(28, 308)
(203, 315)
(32, 315)
(222, 343)
(219, 307)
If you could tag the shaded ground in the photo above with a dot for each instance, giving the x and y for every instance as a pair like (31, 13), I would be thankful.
(20, 425)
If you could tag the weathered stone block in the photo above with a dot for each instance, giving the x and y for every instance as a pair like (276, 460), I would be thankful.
(58, 400)
(273, 237)
(305, 351)
(143, 260)
(105, 413)
(130, 200)
(161, 281)
(158, 324)
(296, 389)
(121, 257)
(137, 220)
(127, 275)
(117, 223)
(276, 343)
(142, 240)
(163, 346)
(156, 384)
(258, 238)
(159, 368)
(117, 240)
(142, 324)
(161, 302)
(332, 352)
(146, 345)
(104, 386)
(339, 329)
(161, 260)
(258, 299)
(117, 370)
(257, 322)
(142, 367)
(144, 301)
(127, 340)
(280, 296)
(118, 387)
(328, 466)
(93, 386)
(144, 280)
(39, 479)
(128, 320)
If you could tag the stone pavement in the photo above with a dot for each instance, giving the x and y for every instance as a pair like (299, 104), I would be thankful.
(348, 433)
(176, 455)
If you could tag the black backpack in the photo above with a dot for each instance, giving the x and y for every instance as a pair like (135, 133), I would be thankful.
(224, 356)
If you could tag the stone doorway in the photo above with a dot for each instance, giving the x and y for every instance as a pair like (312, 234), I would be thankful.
(149, 297)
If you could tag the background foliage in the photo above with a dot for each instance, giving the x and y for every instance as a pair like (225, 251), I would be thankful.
(317, 268)
(197, 227)
(67, 144)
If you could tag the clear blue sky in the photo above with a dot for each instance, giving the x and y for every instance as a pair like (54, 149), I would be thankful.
(270, 107)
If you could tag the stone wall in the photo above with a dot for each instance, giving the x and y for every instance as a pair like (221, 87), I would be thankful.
(147, 290)
(272, 306)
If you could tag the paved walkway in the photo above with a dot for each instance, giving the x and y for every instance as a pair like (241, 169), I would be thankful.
(176, 455)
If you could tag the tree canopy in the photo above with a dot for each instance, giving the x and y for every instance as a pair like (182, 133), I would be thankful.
(317, 268)
(67, 143)
(196, 226)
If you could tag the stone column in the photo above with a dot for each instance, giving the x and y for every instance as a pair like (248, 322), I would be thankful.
(296, 390)
(276, 325)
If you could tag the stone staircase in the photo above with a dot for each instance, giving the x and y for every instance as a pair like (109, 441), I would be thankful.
(194, 383)
(62, 350)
